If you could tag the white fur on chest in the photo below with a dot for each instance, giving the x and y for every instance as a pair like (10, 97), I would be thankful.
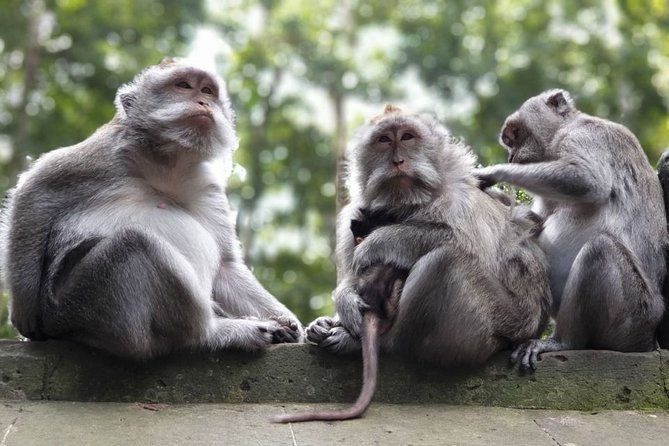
(179, 209)
(566, 231)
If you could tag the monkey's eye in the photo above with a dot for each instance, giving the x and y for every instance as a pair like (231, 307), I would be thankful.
(384, 138)
(406, 137)
(207, 90)
(184, 84)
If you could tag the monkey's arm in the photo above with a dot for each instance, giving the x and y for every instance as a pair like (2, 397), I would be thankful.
(567, 179)
(239, 293)
(400, 245)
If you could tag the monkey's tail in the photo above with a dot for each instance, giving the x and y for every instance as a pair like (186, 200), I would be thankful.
(370, 366)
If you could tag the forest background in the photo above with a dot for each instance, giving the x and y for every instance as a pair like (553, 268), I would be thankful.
(303, 75)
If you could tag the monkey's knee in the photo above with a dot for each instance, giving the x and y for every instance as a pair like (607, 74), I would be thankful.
(116, 294)
(608, 302)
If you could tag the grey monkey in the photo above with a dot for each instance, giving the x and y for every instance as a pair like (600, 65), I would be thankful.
(600, 199)
(663, 174)
(477, 280)
(125, 241)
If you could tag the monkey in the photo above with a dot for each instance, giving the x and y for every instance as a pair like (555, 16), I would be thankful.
(600, 201)
(125, 242)
(477, 280)
(663, 175)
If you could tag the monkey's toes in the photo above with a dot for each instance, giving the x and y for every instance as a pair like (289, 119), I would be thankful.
(318, 330)
(526, 355)
(289, 330)
(339, 340)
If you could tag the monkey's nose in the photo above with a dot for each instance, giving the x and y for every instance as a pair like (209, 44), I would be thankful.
(398, 161)
(203, 103)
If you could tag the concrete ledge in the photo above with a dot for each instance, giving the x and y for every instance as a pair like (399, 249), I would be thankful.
(577, 380)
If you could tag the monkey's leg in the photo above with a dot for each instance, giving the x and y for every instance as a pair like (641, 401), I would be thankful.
(127, 295)
(239, 293)
(448, 311)
(607, 303)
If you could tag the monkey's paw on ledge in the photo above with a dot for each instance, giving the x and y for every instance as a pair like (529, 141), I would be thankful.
(580, 380)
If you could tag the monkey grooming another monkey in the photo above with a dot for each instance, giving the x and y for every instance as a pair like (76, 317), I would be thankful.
(602, 205)
(125, 241)
(477, 280)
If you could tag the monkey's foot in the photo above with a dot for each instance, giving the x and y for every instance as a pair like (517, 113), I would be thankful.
(329, 334)
(291, 331)
(527, 353)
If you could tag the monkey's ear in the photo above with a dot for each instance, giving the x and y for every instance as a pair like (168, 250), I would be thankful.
(560, 102)
(125, 99)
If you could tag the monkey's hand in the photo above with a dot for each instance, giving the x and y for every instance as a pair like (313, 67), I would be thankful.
(527, 354)
(253, 334)
(487, 177)
(350, 306)
(385, 247)
(292, 330)
(327, 333)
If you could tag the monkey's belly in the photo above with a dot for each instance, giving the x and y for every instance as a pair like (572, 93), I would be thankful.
(172, 227)
(562, 241)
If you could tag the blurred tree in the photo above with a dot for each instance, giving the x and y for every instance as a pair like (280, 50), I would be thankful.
(485, 57)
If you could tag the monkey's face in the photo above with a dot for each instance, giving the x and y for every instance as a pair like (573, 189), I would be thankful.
(182, 105)
(522, 145)
(396, 161)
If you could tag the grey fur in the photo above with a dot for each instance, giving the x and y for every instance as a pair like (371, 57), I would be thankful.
(663, 174)
(477, 280)
(125, 241)
(601, 203)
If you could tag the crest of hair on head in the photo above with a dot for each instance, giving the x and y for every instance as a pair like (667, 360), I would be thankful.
(389, 109)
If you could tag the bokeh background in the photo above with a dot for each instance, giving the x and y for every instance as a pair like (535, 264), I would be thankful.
(303, 74)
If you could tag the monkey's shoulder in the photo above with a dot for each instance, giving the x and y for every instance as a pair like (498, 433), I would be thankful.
(592, 133)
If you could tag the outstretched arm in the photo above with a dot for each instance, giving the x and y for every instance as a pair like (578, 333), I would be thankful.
(567, 179)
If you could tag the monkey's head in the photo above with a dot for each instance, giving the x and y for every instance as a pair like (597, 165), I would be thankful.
(401, 159)
(528, 131)
(178, 106)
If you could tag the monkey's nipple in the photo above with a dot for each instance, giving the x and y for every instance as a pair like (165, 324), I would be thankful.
(162, 205)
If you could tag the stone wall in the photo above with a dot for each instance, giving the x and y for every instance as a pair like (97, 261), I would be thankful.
(581, 380)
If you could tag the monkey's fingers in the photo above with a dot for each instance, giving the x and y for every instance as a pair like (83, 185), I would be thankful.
(319, 329)
(284, 335)
(485, 180)
(286, 322)
(340, 340)
(526, 355)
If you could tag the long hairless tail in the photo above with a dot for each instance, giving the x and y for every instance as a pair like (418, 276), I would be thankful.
(370, 366)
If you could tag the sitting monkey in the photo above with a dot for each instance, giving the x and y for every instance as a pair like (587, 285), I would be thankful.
(125, 241)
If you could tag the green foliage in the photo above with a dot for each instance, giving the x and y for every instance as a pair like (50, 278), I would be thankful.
(6, 330)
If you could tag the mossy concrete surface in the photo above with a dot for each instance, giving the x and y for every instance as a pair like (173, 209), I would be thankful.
(576, 380)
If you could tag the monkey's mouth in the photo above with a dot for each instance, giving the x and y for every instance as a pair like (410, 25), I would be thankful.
(202, 118)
